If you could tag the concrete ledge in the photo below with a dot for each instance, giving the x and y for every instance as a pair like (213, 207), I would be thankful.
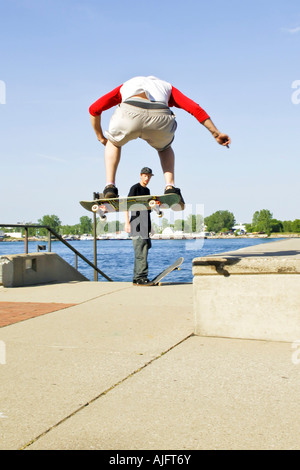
(255, 295)
(230, 265)
(36, 268)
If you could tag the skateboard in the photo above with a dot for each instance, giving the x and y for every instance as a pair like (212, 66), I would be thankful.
(175, 266)
(103, 206)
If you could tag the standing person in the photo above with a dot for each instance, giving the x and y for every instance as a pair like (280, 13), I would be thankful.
(144, 111)
(139, 226)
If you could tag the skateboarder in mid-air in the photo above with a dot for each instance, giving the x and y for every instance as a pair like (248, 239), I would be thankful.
(144, 111)
(139, 226)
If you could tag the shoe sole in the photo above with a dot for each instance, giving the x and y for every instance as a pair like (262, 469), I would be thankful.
(143, 285)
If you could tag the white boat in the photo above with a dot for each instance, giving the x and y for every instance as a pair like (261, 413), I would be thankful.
(69, 237)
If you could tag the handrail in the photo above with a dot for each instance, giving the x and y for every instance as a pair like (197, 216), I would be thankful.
(51, 231)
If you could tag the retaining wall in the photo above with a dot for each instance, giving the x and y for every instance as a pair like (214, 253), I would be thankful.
(36, 268)
(253, 296)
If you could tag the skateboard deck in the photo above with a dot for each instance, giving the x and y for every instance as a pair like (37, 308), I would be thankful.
(168, 270)
(103, 206)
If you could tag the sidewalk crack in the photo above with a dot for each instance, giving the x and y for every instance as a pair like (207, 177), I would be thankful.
(105, 392)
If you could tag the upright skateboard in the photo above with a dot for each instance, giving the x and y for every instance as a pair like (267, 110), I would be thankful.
(137, 203)
(175, 266)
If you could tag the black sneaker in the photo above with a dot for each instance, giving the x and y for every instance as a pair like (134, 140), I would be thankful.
(110, 192)
(143, 282)
(173, 190)
(98, 196)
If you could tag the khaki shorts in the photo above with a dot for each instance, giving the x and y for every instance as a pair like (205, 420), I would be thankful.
(156, 126)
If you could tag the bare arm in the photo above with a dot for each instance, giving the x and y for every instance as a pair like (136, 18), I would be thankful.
(96, 123)
(222, 139)
(107, 101)
(127, 222)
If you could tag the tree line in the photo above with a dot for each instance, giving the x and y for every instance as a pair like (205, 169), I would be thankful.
(262, 222)
(219, 221)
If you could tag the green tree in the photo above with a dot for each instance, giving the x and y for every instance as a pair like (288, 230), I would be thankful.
(249, 228)
(179, 225)
(70, 229)
(287, 226)
(52, 221)
(66, 229)
(220, 221)
(276, 226)
(86, 224)
(262, 221)
(196, 223)
(164, 223)
(296, 226)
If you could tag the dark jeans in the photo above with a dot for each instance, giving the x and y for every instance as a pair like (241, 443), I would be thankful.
(141, 247)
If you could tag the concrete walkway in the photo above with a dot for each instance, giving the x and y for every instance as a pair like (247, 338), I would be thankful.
(121, 369)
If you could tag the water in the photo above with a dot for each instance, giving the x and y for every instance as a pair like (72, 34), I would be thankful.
(115, 257)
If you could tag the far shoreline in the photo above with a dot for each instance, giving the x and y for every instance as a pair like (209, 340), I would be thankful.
(185, 237)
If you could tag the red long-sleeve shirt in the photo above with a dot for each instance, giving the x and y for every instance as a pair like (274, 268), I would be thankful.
(177, 99)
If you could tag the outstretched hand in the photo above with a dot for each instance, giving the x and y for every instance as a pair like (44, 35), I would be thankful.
(223, 139)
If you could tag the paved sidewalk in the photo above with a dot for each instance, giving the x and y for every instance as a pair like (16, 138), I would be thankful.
(121, 369)
(58, 362)
(13, 312)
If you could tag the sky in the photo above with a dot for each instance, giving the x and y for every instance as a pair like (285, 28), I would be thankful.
(238, 60)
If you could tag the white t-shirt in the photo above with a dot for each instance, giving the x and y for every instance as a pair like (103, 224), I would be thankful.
(154, 88)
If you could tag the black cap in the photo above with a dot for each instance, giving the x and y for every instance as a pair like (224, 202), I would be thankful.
(147, 171)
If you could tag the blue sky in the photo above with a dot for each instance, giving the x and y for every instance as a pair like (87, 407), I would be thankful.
(238, 60)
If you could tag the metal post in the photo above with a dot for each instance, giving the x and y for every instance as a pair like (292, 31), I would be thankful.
(95, 242)
(49, 241)
(26, 240)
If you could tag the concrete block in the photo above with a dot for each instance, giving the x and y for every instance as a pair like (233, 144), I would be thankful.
(36, 268)
(250, 297)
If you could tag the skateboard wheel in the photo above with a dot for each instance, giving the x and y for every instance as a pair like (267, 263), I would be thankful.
(152, 203)
(102, 218)
(160, 214)
(95, 207)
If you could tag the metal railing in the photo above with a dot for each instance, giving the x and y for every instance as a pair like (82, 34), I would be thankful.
(61, 239)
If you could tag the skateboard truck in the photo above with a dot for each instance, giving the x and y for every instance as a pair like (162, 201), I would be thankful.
(100, 210)
(155, 205)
